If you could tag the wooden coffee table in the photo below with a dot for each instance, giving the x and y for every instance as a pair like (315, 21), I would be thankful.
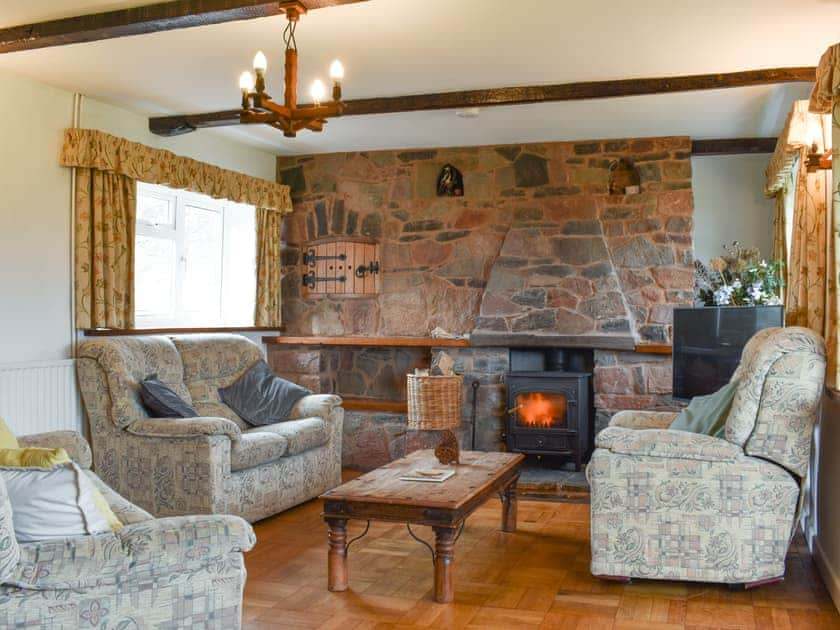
(380, 495)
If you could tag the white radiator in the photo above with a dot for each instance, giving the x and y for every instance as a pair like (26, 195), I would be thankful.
(40, 396)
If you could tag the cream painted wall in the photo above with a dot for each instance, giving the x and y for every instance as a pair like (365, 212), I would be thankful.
(729, 204)
(35, 193)
(34, 222)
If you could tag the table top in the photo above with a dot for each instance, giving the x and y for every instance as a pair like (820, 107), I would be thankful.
(477, 475)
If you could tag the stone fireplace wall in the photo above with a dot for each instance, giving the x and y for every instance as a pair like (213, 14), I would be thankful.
(565, 255)
(536, 245)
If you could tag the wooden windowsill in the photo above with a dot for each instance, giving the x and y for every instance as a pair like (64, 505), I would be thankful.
(123, 332)
(832, 393)
(361, 342)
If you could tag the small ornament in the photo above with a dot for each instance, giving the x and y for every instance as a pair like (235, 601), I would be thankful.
(448, 451)
(624, 178)
(450, 182)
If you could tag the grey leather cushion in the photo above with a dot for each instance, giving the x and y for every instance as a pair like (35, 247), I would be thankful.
(260, 398)
(161, 401)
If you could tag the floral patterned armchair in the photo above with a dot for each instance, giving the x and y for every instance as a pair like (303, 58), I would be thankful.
(180, 572)
(684, 506)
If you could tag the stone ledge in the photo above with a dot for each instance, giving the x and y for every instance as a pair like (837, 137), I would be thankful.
(595, 342)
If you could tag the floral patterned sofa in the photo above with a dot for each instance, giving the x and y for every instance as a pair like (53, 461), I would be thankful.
(180, 572)
(214, 464)
(684, 506)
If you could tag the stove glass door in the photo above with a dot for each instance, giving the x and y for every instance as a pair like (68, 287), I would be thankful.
(540, 410)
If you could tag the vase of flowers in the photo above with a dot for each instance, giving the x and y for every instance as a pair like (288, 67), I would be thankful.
(741, 277)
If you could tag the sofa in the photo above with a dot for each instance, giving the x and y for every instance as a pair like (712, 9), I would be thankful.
(180, 572)
(685, 506)
(213, 464)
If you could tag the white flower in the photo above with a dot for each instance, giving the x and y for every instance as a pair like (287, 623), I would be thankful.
(723, 296)
(763, 264)
(736, 284)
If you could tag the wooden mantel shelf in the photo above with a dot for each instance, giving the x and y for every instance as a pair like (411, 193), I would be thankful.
(382, 342)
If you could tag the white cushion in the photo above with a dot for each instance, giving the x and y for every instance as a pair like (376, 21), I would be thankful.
(51, 503)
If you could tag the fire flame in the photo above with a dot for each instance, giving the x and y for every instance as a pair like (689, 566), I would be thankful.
(538, 410)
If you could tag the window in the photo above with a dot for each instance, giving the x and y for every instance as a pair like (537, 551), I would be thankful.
(195, 260)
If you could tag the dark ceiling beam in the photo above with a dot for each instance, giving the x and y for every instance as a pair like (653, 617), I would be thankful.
(152, 18)
(175, 125)
(732, 146)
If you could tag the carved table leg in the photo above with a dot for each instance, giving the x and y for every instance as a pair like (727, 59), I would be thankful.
(337, 554)
(444, 561)
(509, 507)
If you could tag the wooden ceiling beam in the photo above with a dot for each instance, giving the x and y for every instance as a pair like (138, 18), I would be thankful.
(176, 125)
(152, 18)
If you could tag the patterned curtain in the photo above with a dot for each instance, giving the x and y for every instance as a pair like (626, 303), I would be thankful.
(825, 99)
(105, 213)
(806, 297)
(269, 224)
(780, 246)
(107, 170)
(89, 148)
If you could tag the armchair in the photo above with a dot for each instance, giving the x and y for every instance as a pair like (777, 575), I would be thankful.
(684, 506)
(180, 572)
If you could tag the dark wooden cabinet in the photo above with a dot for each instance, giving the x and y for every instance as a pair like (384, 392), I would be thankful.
(708, 342)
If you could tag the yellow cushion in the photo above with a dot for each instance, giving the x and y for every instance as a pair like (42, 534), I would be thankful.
(33, 457)
(47, 458)
(7, 438)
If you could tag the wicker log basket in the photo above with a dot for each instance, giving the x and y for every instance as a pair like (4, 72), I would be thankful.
(434, 404)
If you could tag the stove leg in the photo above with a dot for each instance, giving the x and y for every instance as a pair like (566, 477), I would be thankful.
(509, 504)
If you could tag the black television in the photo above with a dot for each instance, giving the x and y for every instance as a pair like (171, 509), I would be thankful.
(708, 342)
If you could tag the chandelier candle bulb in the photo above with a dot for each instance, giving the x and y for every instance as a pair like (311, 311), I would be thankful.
(260, 62)
(317, 91)
(246, 84)
(337, 75)
(336, 71)
(260, 66)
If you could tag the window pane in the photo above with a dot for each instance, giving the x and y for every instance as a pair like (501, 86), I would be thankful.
(155, 210)
(240, 265)
(202, 290)
(154, 277)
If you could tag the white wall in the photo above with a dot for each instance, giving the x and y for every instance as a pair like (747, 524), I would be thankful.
(34, 222)
(729, 204)
(35, 194)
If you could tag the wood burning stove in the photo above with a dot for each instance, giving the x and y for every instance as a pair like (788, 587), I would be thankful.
(549, 409)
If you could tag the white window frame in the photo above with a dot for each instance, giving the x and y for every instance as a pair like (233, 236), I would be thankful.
(180, 199)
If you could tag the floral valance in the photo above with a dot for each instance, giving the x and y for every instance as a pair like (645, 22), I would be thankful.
(793, 138)
(90, 148)
(827, 85)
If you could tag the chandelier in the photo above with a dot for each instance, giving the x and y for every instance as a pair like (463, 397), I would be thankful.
(289, 117)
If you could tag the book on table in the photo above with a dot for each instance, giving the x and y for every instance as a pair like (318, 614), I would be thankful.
(430, 475)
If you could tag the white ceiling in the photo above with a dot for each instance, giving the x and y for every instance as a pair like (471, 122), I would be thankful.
(396, 47)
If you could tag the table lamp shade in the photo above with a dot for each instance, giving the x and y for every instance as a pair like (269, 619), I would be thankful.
(434, 402)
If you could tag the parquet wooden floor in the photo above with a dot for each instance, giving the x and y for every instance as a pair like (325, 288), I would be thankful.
(537, 577)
